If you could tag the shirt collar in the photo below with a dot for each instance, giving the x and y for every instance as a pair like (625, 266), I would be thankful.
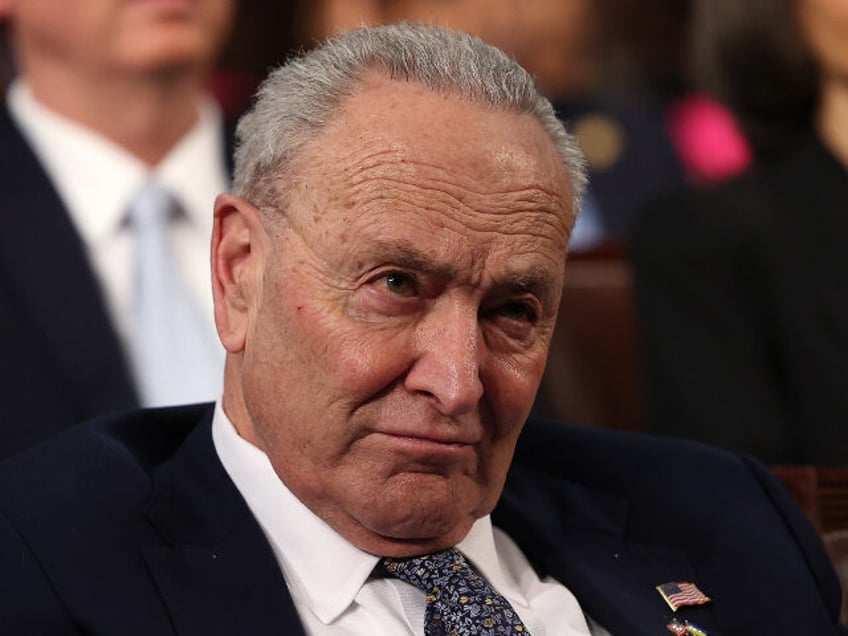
(197, 166)
(97, 178)
(313, 557)
(479, 548)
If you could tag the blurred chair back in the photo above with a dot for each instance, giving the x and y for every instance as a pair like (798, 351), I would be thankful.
(822, 493)
(593, 373)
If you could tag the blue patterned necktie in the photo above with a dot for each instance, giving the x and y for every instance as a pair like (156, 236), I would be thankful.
(174, 355)
(459, 601)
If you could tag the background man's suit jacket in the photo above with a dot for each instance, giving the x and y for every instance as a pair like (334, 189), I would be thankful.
(130, 525)
(742, 292)
(63, 362)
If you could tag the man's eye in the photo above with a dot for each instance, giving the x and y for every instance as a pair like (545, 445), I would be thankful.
(400, 284)
(519, 311)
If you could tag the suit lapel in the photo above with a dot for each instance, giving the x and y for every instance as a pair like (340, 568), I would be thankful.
(232, 586)
(217, 573)
(43, 257)
(578, 536)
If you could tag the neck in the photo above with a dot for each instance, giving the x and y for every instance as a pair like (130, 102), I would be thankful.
(145, 115)
(832, 118)
(233, 401)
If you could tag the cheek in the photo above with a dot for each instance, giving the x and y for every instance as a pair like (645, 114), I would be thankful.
(511, 384)
(372, 358)
(342, 362)
(58, 26)
(495, 466)
(825, 27)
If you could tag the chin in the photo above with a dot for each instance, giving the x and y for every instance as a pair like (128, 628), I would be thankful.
(423, 525)
(171, 49)
(419, 519)
(412, 538)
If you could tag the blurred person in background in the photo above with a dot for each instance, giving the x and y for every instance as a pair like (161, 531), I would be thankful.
(111, 152)
(743, 288)
(262, 35)
(569, 46)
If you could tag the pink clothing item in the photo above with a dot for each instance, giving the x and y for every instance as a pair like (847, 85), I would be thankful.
(707, 138)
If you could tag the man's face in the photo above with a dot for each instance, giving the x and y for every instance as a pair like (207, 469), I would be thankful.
(551, 38)
(99, 36)
(397, 336)
(824, 25)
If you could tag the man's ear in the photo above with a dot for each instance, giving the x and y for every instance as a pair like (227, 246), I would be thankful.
(239, 249)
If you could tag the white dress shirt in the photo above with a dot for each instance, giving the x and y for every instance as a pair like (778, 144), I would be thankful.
(96, 179)
(330, 580)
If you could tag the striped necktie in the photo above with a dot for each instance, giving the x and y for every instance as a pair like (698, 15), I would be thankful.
(174, 357)
(459, 601)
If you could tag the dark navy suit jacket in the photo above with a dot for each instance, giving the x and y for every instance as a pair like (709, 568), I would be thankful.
(130, 525)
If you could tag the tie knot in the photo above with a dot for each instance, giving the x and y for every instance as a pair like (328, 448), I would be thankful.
(459, 601)
(428, 570)
(152, 206)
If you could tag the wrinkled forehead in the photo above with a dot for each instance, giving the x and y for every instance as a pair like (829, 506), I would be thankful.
(395, 132)
(406, 177)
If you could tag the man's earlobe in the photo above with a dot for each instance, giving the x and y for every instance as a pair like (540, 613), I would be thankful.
(237, 255)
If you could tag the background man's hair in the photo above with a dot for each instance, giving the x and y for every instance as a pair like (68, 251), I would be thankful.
(752, 56)
(299, 99)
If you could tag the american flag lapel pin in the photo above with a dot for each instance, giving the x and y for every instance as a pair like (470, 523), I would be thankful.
(679, 594)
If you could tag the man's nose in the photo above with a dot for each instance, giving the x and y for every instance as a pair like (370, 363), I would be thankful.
(447, 364)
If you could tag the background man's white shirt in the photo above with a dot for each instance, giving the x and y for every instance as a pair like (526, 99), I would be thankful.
(96, 180)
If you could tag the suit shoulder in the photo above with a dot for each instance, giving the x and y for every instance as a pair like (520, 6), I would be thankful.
(74, 522)
(110, 457)
(620, 457)
(724, 510)
(700, 481)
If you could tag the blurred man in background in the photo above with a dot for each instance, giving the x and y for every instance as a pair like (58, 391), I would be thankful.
(110, 156)
(577, 51)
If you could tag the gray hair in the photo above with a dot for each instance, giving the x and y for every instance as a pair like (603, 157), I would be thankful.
(299, 99)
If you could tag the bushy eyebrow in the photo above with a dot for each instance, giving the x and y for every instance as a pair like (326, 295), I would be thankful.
(406, 254)
(539, 280)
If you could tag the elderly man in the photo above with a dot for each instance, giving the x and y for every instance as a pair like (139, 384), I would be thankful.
(386, 281)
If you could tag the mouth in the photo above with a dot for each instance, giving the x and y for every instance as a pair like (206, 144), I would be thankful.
(165, 6)
(434, 447)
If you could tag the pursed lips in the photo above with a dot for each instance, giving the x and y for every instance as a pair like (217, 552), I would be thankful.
(455, 436)
(443, 444)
